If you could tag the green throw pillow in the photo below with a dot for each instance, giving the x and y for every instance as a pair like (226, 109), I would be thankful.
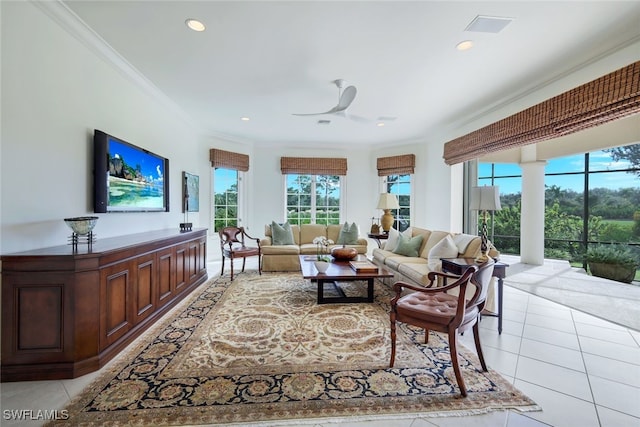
(348, 234)
(281, 234)
(408, 246)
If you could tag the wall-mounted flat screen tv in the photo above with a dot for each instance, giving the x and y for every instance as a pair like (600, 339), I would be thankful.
(128, 178)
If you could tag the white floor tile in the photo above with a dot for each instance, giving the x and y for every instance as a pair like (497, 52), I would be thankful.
(492, 419)
(552, 323)
(610, 350)
(516, 419)
(553, 354)
(611, 418)
(580, 317)
(606, 334)
(500, 361)
(504, 341)
(558, 409)
(549, 336)
(617, 396)
(613, 370)
(561, 379)
(553, 312)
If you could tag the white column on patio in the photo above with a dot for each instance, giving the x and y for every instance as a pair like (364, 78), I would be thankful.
(532, 210)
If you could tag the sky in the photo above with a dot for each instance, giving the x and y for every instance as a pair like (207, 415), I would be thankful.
(598, 161)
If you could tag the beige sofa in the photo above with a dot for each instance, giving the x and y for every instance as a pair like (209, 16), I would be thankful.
(286, 257)
(414, 269)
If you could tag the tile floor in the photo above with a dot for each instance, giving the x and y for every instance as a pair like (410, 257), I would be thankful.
(582, 370)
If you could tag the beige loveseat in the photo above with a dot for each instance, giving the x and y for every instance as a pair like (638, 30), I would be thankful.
(286, 257)
(414, 269)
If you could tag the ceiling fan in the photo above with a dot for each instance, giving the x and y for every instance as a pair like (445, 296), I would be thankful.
(345, 98)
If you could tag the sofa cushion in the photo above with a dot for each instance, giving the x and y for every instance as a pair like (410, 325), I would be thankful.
(392, 239)
(415, 231)
(281, 250)
(434, 238)
(408, 246)
(445, 248)
(462, 241)
(308, 232)
(348, 234)
(394, 262)
(281, 234)
(415, 272)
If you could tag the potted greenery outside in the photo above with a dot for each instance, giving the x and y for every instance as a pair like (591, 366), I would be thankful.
(615, 262)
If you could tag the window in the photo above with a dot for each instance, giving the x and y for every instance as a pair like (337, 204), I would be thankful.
(400, 185)
(225, 198)
(313, 199)
(503, 225)
(589, 198)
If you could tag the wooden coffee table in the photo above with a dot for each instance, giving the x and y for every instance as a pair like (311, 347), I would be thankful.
(341, 271)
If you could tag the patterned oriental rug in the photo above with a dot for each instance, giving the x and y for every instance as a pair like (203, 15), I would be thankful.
(260, 349)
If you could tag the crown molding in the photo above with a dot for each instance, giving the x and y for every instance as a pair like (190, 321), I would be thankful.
(76, 27)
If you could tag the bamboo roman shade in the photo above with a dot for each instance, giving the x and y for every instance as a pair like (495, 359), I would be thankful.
(396, 165)
(313, 165)
(228, 160)
(608, 98)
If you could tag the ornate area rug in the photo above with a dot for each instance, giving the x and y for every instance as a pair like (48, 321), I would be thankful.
(260, 349)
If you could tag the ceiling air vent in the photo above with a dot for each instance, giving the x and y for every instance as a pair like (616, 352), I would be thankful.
(324, 122)
(488, 24)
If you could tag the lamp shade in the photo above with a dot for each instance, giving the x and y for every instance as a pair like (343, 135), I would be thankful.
(388, 201)
(485, 198)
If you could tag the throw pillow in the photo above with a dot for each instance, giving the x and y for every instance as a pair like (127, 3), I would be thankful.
(281, 234)
(445, 248)
(348, 234)
(462, 241)
(408, 246)
(392, 240)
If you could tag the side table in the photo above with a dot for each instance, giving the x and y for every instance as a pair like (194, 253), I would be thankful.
(459, 265)
(378, 237)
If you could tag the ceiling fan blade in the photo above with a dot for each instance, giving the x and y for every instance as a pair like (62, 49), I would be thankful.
(346, 98)
(333, 110)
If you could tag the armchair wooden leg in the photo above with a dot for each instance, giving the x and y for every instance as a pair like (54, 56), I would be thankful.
(476, 339)
(260, 265)
(222, 271)
(453, 349)
(393, 339)
(426, 336)
(231, 262)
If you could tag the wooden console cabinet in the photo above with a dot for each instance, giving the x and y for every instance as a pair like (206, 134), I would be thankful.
(66, 313)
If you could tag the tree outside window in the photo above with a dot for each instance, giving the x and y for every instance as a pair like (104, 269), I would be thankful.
(400, 185)
(225, 205)
(313, 199)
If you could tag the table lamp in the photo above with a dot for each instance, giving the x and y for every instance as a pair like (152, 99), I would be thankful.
(484, 199)
(386, 203)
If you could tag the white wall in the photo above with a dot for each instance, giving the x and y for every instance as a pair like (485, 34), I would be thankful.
(55, 92)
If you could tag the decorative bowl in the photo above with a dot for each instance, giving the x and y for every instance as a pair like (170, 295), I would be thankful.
(81, 225)
(343, 253)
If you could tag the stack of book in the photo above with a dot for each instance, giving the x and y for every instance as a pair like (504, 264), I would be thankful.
(363, 267)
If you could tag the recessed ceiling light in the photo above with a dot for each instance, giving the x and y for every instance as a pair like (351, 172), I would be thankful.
(194, 24)
(464, 45)
(380, 125)
(245, 119)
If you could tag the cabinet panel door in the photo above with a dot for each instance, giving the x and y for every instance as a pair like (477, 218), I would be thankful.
(182, 267)
(166, 275)
(115, 288)
(144, 287)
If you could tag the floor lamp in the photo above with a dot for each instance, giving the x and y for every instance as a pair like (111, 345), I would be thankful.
(386, 203)
(484, 199)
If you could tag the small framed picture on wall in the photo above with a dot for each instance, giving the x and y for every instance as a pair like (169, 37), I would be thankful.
(190, 192)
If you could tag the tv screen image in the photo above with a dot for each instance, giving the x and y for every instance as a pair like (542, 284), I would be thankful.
(128, 178)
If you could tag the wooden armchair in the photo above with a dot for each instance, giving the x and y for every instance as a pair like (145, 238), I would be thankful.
(432, 308)
(232, 244)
